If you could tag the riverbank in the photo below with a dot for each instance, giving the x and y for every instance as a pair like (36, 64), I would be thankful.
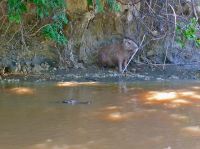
(135, 73)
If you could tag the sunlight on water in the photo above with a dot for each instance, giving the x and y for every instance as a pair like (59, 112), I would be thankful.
(196, 87)
(191, 131)
(172, 99)
(116, 116)
(161, 96)
(179, 117)
(22, 90)
(73, 84)
(187, 93)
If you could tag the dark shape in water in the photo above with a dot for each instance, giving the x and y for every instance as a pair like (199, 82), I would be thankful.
(75, 102)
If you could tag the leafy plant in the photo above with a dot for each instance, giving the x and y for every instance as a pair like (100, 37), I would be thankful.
(114, 5)
(46, 7)
(53, 10)
(55, 31)
(99, 6)
(90, 3)
(15, 10)
(188, 32)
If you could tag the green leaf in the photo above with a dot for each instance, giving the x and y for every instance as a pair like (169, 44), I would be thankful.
(90, 2)
(99, 6)
(16, 8)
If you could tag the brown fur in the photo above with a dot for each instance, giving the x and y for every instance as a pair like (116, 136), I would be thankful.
(117, 54)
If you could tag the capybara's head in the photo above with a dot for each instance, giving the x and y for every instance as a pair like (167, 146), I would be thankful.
(129, 45)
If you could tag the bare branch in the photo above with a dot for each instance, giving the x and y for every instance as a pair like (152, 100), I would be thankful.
(39, 29)
(134, 54)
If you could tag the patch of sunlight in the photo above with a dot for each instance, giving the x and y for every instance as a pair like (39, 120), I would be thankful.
(181, 101)
(112, 108)
(179, 117)
(196, 96)
(196, 87)
(161, 96)
(187, 93)
(22, 90)
(172, 105)
(72, 83)
(192, 130)
(151, 110)
(117, 116)
(48, 145)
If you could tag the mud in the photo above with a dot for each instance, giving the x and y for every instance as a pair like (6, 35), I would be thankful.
(95, 74)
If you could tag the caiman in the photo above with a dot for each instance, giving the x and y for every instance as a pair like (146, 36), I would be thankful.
(75, 102)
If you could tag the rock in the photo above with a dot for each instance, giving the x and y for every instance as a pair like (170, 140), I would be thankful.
(79, 66)
(37, 60)
(37, 69)
(187, 55)
(45, 66)
(151, 53)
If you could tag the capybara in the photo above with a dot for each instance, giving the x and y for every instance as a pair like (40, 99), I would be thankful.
(117, 54)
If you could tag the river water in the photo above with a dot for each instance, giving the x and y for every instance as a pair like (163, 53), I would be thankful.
(138, 115)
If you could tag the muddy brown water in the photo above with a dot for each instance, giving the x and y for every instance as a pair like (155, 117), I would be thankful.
(139, 115)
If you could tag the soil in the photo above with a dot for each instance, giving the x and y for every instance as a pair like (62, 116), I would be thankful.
(95, 74)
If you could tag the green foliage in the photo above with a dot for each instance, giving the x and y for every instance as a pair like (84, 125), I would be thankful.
(15, 10)
(90, 2)
(55, 31)
(53, 10)
(189, 32)
(114, 5)
(99, 6)
(46, 7)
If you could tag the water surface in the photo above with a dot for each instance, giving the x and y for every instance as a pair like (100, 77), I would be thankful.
(140, 115)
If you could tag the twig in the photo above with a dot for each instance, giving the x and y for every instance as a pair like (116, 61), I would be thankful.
(126, 3)
(22, 36)
(3, 21)
(133, 54)
(13, 36)
(166, 51)
(194, 9)
(7, 29)
(174, 23)
(39, 29)
(34, 26)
